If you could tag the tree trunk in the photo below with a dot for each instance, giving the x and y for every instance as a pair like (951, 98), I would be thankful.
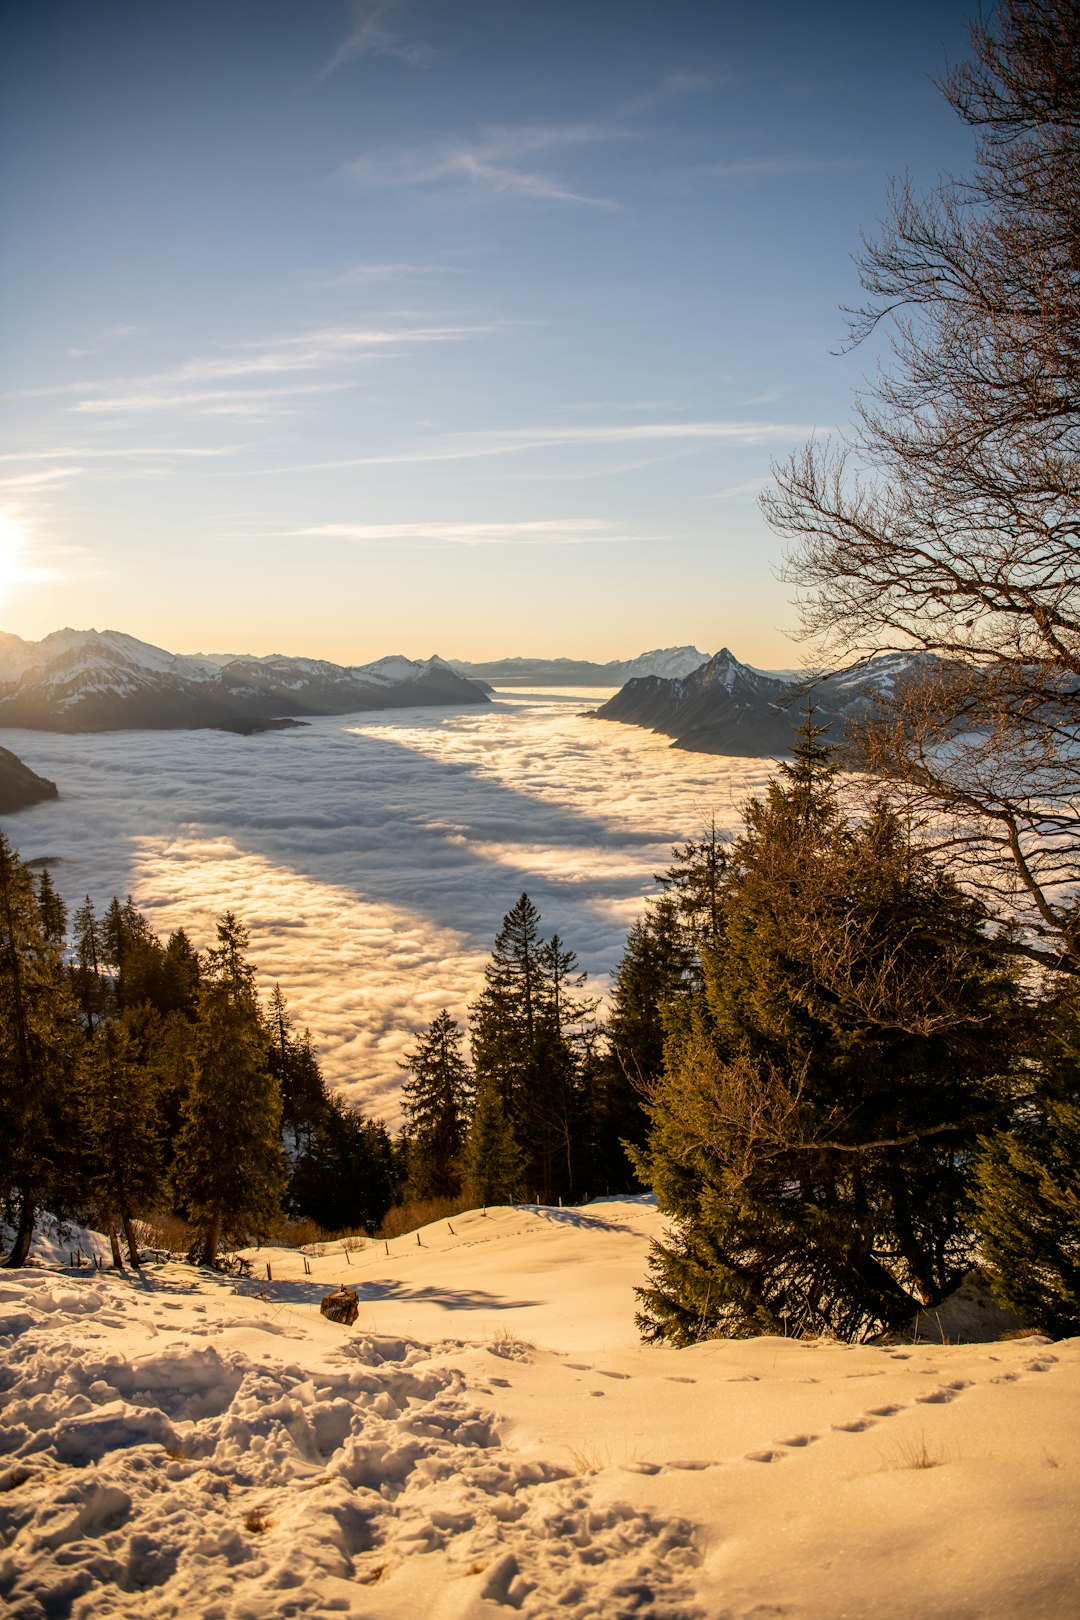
(129, 1238)
(211, 1239)
(24, 1236)
(114, 1245)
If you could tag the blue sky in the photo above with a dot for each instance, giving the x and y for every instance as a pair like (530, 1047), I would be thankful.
(401, 325)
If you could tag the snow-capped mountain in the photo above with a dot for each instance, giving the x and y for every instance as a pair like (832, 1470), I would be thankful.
(726, 707)
(669, 663)
(90, 680)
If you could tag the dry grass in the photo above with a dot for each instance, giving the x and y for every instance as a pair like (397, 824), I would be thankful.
(912, 1452)
(166, 1232)
(256, 1521)
(410, 1217)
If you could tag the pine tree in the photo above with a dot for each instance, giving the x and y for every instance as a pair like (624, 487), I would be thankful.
(438, 1096)
(121, 1145)
(494, 1166)
(659, 967)
(229, 1166)
(344, 1175)
(39, 1052)
(814, 1126)
(528, 1026)
(91, 984)
(1027, 1202)
(294, 1065)
(53, 911)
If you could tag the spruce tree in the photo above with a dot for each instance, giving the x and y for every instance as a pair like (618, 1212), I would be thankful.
(229, 1168)
(816, 1119)
(90, 981)
(494, 1165)
(121, 1145)
(1027, 1203)
(658, 968)
(52, 908)
(437, 1099)
(39, 1055)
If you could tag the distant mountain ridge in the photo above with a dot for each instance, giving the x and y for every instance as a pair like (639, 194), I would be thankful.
(665, 662)
(726, 707)
(91, 680)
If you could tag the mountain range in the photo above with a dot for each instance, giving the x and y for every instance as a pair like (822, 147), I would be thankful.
(726, 707)
(664, 662)
(90, 680)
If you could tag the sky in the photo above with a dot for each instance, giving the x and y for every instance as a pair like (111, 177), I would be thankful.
(351, 327)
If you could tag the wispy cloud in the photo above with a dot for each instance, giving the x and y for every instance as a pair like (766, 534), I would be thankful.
(251, 404)
(41, 480)
(99, 452)
(512, 441)
(497, 163)
(363, 274)
(380, 28)
(554, 531)
(185, 387)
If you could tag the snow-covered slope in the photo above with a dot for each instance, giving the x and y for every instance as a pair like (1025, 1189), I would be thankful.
(90, 680)
(727, 707)
(491, 1439)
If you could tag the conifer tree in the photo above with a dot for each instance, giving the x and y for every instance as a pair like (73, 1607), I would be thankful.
(494, 1166)
(230, 1167)
(39, 1051)
(91, 984)
(52, 908)
(295, 1066)
(815, 1122)
(438, 1095)
(659, 968)
(121, 1145)
(1027, 1202)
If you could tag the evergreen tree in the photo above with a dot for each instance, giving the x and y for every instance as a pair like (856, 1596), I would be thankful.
(53, 911)
(1027, 1204)
(528, 1026)
(294, 1065)
(494, 1166)
(39, 1052)
(91, 983)
(438, 1096)
(814, 1126)
(122, 1133)
(658, 969)
(1028, 1213)
(229, 1166)
(344, 1175)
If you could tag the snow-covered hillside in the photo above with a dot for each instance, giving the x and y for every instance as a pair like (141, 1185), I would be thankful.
(490, 1439)
(89, 680)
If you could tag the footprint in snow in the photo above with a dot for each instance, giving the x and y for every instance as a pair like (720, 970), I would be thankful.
(945, 1393)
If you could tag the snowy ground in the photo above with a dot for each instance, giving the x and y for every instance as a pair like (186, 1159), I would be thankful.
(490, 1438)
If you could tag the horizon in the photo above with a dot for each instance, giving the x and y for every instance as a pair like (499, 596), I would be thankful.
(359, 325)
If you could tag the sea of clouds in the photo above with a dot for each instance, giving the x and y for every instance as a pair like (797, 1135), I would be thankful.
(374, 856)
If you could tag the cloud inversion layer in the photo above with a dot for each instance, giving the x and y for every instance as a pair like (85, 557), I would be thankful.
(373, 857)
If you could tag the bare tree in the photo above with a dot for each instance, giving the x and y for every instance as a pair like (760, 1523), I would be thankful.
(948, 521)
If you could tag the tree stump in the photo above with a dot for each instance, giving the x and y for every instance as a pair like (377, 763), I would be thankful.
(343, 1305)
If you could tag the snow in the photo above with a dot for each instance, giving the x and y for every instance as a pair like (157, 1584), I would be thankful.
(491, 1439)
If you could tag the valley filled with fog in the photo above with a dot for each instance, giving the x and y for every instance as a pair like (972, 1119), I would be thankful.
(373, 856)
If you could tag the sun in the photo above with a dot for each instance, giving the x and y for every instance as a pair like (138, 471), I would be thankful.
(15, 545)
